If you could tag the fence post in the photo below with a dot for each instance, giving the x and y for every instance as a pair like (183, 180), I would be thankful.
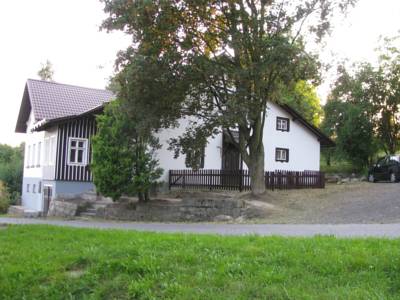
(169, 179)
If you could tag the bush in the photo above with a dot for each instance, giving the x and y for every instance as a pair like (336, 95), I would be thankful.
(4, 198)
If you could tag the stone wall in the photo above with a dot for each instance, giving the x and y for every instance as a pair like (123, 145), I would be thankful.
(62, 209)
(194, 207)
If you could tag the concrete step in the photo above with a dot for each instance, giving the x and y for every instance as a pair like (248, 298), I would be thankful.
(31, 213)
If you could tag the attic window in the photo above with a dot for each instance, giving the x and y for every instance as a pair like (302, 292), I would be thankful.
(77, 151)
(282, 124)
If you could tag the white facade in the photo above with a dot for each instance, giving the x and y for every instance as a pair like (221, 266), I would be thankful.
(40, 155)
(303, 146)
(300, 143)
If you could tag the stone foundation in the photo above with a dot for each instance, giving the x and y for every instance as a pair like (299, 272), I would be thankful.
(62, 209)
(193, 207)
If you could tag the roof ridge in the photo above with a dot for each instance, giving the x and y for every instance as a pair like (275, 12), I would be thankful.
(67, 84)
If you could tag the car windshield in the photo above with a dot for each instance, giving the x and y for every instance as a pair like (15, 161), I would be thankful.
(395, 157)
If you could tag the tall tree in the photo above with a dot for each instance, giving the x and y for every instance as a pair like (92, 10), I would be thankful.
(123, 160)
(219, 61)
(46, 71)
(376, 90)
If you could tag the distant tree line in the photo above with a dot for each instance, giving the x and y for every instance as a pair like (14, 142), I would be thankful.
(11, 170)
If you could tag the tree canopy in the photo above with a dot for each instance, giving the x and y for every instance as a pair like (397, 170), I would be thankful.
(375, 92)
(220, 61)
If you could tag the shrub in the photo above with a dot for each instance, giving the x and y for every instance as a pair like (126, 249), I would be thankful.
(4, 198)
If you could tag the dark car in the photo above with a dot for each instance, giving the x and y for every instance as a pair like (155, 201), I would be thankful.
(386, 169)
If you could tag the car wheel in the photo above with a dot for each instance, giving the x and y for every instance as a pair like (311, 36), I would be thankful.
(393, 177)
(371, 178)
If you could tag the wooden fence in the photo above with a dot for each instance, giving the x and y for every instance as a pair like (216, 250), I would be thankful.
(240, 179)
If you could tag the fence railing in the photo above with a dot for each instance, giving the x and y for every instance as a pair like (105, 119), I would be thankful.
(240, 179)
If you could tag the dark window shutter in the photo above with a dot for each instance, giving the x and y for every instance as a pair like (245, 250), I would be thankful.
(288, 127)
(287, 155)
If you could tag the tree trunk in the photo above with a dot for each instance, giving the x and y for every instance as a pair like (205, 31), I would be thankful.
(147, 196)
(141, 197)
(256, 169)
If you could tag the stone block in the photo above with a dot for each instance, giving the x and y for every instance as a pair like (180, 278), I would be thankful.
(62, 209)
(16, 210)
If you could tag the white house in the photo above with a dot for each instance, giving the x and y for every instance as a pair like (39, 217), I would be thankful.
(59, 121)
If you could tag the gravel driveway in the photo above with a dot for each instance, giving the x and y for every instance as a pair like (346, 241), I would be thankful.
(350, 203)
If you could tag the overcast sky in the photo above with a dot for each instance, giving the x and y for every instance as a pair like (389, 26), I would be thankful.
(66, 32)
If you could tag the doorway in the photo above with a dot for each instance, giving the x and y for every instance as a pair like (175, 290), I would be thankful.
(47, 196)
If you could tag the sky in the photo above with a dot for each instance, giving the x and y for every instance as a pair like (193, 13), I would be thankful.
(66, 32)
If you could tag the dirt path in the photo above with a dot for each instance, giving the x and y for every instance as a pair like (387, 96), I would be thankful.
(337, 204)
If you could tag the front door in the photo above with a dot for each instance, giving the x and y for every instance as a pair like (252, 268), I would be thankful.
(47, 196)
(230, 158)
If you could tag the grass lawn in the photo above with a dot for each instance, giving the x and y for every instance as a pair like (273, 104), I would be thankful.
(44, 262)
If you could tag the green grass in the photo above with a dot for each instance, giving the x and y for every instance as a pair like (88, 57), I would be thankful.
(44, 262)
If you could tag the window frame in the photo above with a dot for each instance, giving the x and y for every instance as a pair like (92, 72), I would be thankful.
(33, 155)
(287, 120)
(77, 148)
(286, 150)
(39, 153)
(202, 159)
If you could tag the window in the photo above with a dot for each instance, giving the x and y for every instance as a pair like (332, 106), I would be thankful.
(282, 154)
(77, 151)
(282, 124)
(196, 155)
(33, 155)
(39, 187)
(39, 150)
(28, 157)
(46, 159)
(52, 150)
(27, 188)
(34, 188)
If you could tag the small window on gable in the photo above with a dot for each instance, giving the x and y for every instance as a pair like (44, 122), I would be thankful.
(77, 151)
(200, 158)
(282, 124)
(27, 188)
(282, 154)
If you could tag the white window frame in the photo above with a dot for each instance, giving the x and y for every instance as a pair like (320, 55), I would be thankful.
(33, 155)
(39, 152)
(28, 157)
(84, 155)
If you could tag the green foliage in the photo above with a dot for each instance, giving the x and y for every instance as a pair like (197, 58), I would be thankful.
(375, 92)
(118, 264)
(11, 169)
(218, 61)
(123, 160)
(304, 99)
(46, 71)
(355, 136)
(5, 200)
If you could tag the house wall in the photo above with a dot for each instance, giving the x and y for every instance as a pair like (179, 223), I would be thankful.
(212, 155)
(79, 128)
(304, 146)
(31, 195)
